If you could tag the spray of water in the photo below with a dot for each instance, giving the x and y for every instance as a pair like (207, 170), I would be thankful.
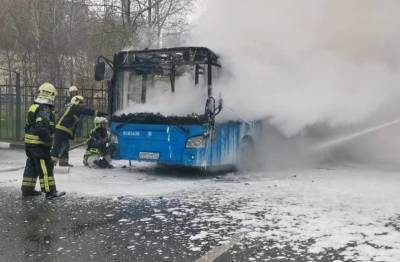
(344, 139)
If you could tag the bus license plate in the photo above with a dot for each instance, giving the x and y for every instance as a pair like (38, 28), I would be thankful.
(149, 155)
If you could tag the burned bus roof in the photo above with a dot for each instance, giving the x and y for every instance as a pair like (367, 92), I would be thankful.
(166, 56)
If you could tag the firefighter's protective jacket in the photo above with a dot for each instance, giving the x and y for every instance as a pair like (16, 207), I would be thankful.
(39, 127)
(70, 118)
(99, 137)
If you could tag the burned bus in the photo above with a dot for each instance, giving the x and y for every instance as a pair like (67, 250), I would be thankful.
(193, 136)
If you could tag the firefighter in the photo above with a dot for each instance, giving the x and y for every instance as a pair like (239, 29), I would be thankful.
(99, 150)
(39, 130)
(66, 125)
(72, 91)
(64, 158)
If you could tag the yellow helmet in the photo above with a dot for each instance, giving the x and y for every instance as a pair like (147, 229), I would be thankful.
(47, 93)
(76, 100)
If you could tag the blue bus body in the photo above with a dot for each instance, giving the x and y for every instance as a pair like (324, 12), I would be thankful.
(167, 144)
(196, 140)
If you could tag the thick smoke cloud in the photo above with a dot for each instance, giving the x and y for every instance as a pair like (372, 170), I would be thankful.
(305, 62)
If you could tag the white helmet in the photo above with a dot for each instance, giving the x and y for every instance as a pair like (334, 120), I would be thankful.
(73, 89)
(99, 120)
(76, 100)
(47, 94)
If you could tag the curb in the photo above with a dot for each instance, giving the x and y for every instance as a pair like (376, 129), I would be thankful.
(17, 146)
(4, 145)
(7, 145)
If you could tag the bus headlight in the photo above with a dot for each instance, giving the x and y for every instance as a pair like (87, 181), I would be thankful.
(196, 142)
(114, 139)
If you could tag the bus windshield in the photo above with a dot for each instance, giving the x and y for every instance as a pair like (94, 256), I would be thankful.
(170, 82)
(157, 93)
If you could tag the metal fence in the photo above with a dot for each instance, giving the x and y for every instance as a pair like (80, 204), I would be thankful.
(15, 100)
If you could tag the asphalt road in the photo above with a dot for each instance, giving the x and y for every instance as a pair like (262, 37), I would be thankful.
(343, 214)
(124, 229)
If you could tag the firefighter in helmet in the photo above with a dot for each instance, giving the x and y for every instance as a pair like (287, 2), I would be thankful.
(39, 130)
(72, 91)
(64, 157)
(99, 149)
(66, 125)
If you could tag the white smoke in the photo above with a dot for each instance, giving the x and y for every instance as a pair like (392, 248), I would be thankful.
(305, 62)
(186, 100)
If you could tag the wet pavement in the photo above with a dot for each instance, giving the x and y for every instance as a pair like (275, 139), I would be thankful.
(129, 229)
(121, 229)
(311, 215)
(34, 229)
(11, 159)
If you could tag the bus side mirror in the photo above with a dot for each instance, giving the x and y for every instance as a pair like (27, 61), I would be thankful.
(99, 71)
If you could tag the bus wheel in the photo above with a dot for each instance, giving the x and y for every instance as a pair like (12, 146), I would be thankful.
(247, 154)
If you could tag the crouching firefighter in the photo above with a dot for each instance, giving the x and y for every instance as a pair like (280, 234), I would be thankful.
(66, 125)
(39, 130)
(99, 148)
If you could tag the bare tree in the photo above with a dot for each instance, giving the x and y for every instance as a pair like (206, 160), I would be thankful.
(59, 40)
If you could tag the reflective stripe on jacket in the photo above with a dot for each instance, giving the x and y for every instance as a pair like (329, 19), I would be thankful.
(70, 118)
(39, 125)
